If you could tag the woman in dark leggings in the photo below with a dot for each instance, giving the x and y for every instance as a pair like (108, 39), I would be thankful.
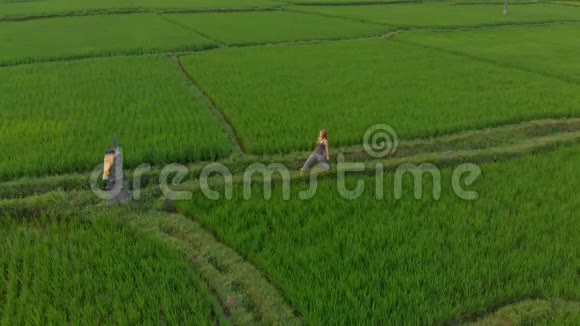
(320, 154)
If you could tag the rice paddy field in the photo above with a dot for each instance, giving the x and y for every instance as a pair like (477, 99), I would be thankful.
(55, 126)
(74, 269)
(348, 100)
(393, 261)
(52, 39)
(231, 85)
(449, 15)
(26, 9)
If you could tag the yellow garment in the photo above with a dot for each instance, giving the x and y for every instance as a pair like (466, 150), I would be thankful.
(109, 159)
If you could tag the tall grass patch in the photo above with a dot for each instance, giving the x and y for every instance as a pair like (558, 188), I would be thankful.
(450, 15)
(278, 98)
(61, 117)
(273, 26)
(14, 9)
(78, 37)
(551, 50)
(76, 271)
(388, 261)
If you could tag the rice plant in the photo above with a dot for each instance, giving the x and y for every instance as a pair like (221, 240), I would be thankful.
(89, 36)
(548, 50)
(278, 98)
(61, 117)
(410, 261)
(247, 28)
(450, 15)
(71, 270)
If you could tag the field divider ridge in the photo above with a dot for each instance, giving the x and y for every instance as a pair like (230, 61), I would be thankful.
(389, 34)
(183, 26)
(355, 3)
(247, 296)
(491, 61)
(128, 11)
(238, 148)
(441, 159)
(561, 130)
(319, 14)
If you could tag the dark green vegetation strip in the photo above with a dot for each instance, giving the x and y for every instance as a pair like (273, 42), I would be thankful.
(275, 27)
(79, 270)
(426, 261)
(70, 118)
(448, 15)
(93, 36)
(396, 88)
(548, 50)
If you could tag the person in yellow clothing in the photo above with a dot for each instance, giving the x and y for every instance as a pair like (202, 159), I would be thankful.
(109, 160)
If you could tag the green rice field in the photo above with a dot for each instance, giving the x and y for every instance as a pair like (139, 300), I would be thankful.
(273, 27)
(78, 270)
(445, 15)
(425, 261)
(347, 100)
(213, 101)
(23, 9)
(51, 39)
(554, 56)
(61, 125)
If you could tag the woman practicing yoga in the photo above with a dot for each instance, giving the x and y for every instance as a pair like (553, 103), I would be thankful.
(320, 154)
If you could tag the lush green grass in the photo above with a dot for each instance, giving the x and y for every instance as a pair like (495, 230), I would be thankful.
(25, 8)
(270, 27)
(567, 3)
(76, 271)
(449, 15)
(73, 37)
(343, 2)
(207, 4)
(279, 97)
(414, 261)
(61, 117)
(551, 50)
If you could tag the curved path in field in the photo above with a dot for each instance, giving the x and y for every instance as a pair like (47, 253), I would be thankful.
(245, 293)
(527, 312)
(494, 143)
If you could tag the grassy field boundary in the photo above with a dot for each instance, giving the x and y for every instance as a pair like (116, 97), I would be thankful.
(493, 143)
(565, 3)
(127, 11)
(490, 61)
(246, 295)
(389, 34)
(235, 140)
(171, 21)
(353, 3)
(439, 159)
(530, 311)
(297, 9)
